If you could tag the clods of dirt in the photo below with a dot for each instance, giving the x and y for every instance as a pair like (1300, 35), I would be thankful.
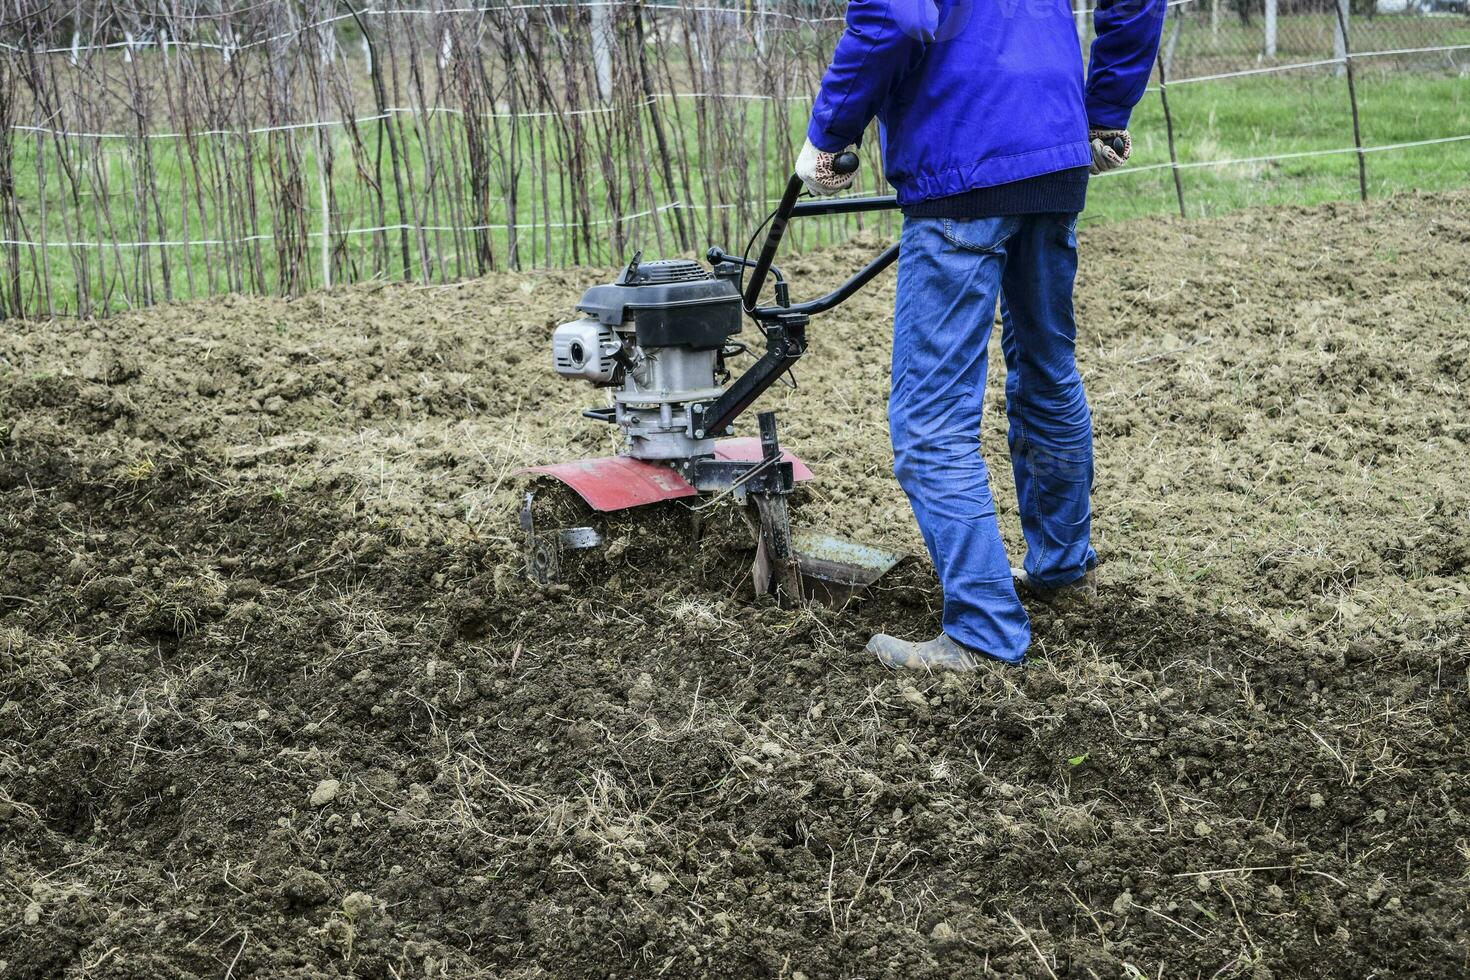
(277, 701)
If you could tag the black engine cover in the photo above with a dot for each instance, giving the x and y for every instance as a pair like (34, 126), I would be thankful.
(671, 302)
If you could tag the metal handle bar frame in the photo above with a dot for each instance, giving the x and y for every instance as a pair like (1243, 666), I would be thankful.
(790, 208)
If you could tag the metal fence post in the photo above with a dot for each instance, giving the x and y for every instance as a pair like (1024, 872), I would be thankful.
(1169, 129)
(1347, 63)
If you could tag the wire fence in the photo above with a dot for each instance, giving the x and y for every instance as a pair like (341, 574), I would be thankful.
(152, 152)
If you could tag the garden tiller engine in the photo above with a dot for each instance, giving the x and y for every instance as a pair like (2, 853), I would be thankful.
(659, 338)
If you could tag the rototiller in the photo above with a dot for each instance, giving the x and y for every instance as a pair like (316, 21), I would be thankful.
(660, 338)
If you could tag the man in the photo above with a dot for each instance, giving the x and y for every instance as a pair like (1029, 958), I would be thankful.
(988, 136)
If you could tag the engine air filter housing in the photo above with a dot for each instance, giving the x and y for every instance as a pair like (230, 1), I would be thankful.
(668, 303)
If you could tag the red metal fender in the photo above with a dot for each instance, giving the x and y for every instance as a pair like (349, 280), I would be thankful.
(619, 482)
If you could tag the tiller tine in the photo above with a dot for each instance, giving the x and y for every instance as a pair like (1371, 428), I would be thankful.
(809, 565)
(799, 566)
(804, 565)
(775, 566)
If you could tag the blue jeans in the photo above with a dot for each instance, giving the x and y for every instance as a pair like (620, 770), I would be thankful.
(951, 273)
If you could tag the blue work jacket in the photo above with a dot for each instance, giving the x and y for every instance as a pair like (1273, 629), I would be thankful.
(974, 93)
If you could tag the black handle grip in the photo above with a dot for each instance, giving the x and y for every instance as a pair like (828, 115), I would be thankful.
(1118, 146)
(845, 163)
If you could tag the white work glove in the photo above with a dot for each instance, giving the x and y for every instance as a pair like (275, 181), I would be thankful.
(814, 167)
(1104, 157)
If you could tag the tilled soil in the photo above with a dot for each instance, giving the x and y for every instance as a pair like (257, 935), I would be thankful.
(277, 701)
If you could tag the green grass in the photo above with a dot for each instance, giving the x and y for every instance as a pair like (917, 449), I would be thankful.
(1273, 116)
(1250, 117)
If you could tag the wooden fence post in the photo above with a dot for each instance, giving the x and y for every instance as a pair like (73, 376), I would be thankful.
(602, 47)
(656, 121)
(386, 127)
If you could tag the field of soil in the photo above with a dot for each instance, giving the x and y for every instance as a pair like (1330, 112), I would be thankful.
(275, 700)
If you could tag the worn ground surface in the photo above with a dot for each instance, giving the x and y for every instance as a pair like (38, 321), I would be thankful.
(275, 701)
